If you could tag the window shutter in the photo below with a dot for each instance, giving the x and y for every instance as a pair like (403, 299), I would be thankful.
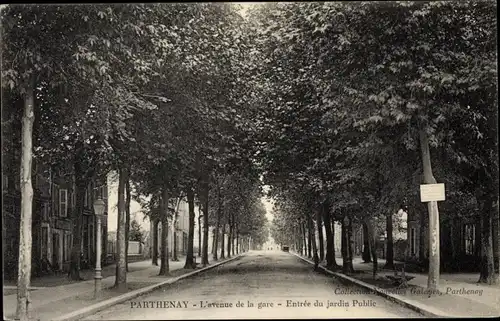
(63, 202)
(55, 202)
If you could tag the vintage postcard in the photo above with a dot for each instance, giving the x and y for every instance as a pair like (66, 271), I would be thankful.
(250, 160)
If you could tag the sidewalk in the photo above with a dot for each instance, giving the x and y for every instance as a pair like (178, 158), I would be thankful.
(53, 301)
(459, 295)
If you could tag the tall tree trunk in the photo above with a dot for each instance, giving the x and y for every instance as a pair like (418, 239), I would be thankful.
(229, 235)
(343, 247)
(154, 250)
(222, 249)
(215, 242)
(205, 223)
(174, 250)
(330, 258)
(217, 226)
(366, 244)
(190, 251)
(309, 239)
(346, 247)
(304, 237)
(313, 241)
(25, 232)
(121, 270)
(350, 244)
(432, 207)
(335, 265)
(164, 264)
(77, 216)
(389, 259)
(300, 248)
(174, 228)
(233, 245)
(487, 266)
(372, 238)
(214, 245)
(233, 233)
(319, 223)
(237, 242)
(127, 211)
(199, 231)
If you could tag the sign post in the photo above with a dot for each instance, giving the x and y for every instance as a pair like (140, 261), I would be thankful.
(431, 194)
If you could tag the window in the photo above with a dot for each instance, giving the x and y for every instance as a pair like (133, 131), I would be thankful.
(413, 241)
(470, 238)
(103, 190)
(5, 182)
(86, 198)
(63, 202)
(45, 241)
(45, 211)
(55, 199)
(100, 192)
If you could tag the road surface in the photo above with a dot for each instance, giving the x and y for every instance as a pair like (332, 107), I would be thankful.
(261, 284)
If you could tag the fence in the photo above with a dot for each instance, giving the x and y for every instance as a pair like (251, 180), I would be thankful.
(135, 249)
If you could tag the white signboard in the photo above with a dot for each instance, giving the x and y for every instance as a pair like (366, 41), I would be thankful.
(432, 192)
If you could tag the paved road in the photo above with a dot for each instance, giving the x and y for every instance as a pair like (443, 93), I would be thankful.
(278, 284)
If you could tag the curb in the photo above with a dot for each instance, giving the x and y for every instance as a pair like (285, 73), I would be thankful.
(407, 303)
(94, 308)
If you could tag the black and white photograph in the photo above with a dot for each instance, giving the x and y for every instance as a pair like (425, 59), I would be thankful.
(250, 160)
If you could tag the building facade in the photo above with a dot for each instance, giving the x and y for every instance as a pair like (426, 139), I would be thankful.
(52, 226)
(460, 241)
